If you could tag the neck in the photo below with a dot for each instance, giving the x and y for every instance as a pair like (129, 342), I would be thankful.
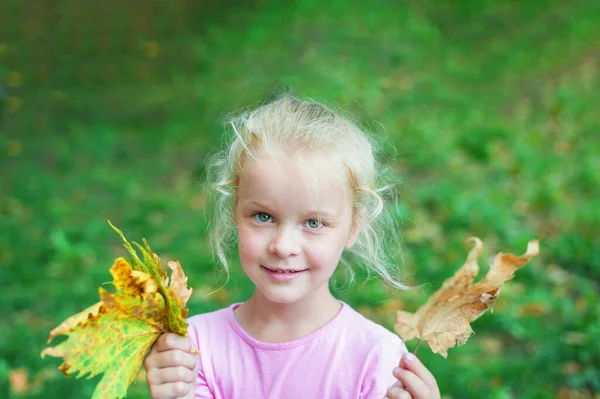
(269, 321)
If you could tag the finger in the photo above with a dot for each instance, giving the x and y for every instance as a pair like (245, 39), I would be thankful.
(412, 383)
(397, 393)
(170, 341)
(171, 374)
(412, 363)
(398, 383)
(171, 358)
(171, 390)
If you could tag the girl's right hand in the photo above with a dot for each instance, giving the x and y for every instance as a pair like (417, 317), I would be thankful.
(171, 367)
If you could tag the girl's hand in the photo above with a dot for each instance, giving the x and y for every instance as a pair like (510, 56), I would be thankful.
(414, 381)
(170, 368)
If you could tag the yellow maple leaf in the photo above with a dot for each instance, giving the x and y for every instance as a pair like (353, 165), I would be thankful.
(444, 321)
(113, 336)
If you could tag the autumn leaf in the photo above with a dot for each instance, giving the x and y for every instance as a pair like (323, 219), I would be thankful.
(113, 336)
(19, 381)
(444, 321)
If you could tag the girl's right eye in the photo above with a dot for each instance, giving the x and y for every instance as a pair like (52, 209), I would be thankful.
(262, 217)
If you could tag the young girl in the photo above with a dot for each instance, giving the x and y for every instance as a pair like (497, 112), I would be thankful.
(297, 186)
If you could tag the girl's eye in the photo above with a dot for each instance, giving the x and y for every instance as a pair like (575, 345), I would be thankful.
(262, 217)
(314, 223)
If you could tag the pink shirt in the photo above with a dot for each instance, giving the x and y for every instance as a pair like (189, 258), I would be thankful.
(350, 357)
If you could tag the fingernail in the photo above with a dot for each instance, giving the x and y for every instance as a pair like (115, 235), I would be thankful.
(409, 358)
(396, 371)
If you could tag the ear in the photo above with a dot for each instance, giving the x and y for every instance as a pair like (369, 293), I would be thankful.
(359, 217)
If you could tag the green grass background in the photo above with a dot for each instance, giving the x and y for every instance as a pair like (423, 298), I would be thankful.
(487, 110)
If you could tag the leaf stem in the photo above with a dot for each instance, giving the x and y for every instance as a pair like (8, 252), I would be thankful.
(417, 347)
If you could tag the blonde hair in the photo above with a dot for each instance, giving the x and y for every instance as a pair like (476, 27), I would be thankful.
(305, 125)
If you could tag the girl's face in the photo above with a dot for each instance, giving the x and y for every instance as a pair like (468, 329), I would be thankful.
(294, 219)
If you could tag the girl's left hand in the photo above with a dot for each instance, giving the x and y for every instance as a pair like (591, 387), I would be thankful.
(414, 381)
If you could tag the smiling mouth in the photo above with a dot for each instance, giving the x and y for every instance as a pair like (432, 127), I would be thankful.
(284, 271)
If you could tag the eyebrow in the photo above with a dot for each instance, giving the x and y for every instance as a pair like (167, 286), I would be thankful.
(322, 214)
(254, 203)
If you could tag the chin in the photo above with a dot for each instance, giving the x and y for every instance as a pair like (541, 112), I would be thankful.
(284, 297)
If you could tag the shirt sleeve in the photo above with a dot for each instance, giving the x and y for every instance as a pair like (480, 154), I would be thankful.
(380, 365)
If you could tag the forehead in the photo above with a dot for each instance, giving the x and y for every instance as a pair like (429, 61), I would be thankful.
(303, 181)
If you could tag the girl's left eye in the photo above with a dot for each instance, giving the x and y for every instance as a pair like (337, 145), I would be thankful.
(314, 223)
(262, 217)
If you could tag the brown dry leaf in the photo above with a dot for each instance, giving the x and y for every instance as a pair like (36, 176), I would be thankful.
(569, 393)
(444, 321)
(18, 380)
(178, 287)
(571, 368)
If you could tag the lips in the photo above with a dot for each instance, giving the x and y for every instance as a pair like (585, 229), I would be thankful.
(283, 274)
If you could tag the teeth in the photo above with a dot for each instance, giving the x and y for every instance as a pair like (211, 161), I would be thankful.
(284, 271)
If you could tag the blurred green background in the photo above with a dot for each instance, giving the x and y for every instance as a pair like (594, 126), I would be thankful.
(487, 110)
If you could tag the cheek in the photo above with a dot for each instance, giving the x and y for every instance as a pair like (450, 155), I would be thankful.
(327, 251)
(248, 243)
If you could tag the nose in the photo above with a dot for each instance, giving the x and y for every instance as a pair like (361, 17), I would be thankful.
(285, 243)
